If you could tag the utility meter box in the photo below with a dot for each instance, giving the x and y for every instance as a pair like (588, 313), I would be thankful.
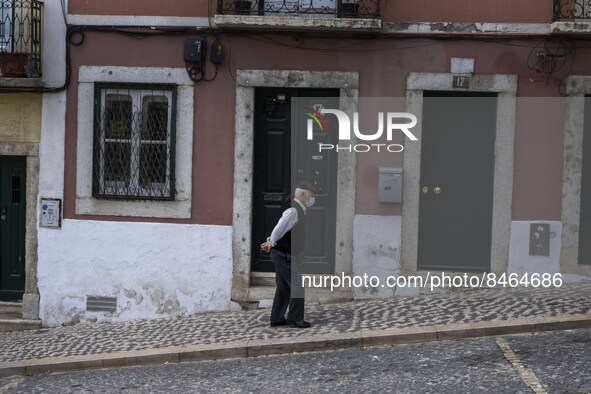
(390, 184)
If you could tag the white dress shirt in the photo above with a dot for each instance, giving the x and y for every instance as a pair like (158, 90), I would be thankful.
(285, 223)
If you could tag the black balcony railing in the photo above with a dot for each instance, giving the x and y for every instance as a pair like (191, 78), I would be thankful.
(20, 38)
(572, 9)
(338, 8)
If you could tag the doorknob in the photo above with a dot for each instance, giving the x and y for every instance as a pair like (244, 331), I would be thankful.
(437, 190)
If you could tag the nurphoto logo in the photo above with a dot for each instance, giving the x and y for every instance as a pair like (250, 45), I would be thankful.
(392, 121)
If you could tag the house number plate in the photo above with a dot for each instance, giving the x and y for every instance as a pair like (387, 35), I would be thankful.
(461, 82)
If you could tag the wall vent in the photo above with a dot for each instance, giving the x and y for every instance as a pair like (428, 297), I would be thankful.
(101, 304)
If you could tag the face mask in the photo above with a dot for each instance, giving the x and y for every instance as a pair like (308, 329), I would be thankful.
(311, 202)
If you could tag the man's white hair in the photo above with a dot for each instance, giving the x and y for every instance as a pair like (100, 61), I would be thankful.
(299, 191)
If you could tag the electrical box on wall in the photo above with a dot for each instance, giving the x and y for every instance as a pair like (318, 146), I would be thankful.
(215, 54)
(390, 184)
(194, 51)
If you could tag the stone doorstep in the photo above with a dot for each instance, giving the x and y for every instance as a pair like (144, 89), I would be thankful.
(265, 347)
(12, 322)
(10, 307)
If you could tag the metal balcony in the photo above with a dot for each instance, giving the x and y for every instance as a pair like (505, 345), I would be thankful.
(572, 10)
(369, 9)
(20, 38)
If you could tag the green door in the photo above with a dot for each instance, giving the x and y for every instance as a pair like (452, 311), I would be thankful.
(272, 164)
(457, 172)
(12, 227)
(274, 144)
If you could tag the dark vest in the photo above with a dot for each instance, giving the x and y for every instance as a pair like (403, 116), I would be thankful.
(297, 241)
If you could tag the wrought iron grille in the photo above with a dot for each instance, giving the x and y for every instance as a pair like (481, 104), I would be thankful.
(572, 9)
(20, 34)
(134, 141)
(338, 8)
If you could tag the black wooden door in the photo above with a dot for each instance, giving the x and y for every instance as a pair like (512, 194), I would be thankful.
(320, 169)
(585, 222)
(457, 173)
(275, 139)
(12, 227)
(272, 166)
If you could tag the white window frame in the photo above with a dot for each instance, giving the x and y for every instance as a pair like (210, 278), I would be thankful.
(137, 95)
(86, 203)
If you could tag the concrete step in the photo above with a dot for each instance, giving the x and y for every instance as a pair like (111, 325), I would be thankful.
(257, 293)
(262, 279)
(15, 322)
(11, 307)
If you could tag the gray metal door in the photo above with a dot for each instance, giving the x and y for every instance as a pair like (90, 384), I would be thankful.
(457, 169)
(585, 223)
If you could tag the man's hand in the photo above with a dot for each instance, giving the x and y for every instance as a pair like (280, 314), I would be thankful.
(266, 247)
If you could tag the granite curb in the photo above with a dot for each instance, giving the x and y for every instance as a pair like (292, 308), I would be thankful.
(255, 348)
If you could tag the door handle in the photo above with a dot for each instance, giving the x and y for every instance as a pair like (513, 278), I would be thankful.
(3, 217)
(437, 190)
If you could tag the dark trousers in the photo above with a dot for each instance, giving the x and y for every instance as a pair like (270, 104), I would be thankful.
(289, 291)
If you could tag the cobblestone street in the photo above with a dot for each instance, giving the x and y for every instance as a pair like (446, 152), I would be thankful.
(400, 312)
(558, 361)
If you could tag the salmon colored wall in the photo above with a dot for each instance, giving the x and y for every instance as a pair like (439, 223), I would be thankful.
(383, 66)
(186, 8)
(537, 183)
(500, 11)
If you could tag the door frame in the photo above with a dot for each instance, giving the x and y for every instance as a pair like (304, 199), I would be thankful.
(31, 151)
(577, 87)
(506, 87)
(246, 82)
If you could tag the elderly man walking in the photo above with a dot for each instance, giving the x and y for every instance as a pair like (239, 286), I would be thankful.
(286, 245)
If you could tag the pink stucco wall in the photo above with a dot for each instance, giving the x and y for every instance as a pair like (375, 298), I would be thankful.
(383, 66)
(506, 11)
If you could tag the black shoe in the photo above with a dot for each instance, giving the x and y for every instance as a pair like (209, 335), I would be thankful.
(278, 323)
(299, 323)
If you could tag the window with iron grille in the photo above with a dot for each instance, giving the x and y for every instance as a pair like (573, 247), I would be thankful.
(134, 141)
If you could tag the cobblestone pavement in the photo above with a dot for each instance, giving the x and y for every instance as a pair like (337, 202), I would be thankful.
(400, 312)
(560, 362)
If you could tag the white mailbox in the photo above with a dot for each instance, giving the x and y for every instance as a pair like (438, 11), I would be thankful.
(390, 184)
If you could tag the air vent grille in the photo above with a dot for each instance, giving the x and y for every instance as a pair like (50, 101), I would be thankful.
(101, 304)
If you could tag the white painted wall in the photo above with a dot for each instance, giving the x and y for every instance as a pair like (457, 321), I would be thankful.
(520, 262)
(54, 44)
(154, 270)
(51, 148)
(53, 114)
(376, 251)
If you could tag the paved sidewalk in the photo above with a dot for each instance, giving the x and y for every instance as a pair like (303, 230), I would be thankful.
(516, 310)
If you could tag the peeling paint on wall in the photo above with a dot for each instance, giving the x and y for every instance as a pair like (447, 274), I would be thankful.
(154, 269)
(376, 252)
